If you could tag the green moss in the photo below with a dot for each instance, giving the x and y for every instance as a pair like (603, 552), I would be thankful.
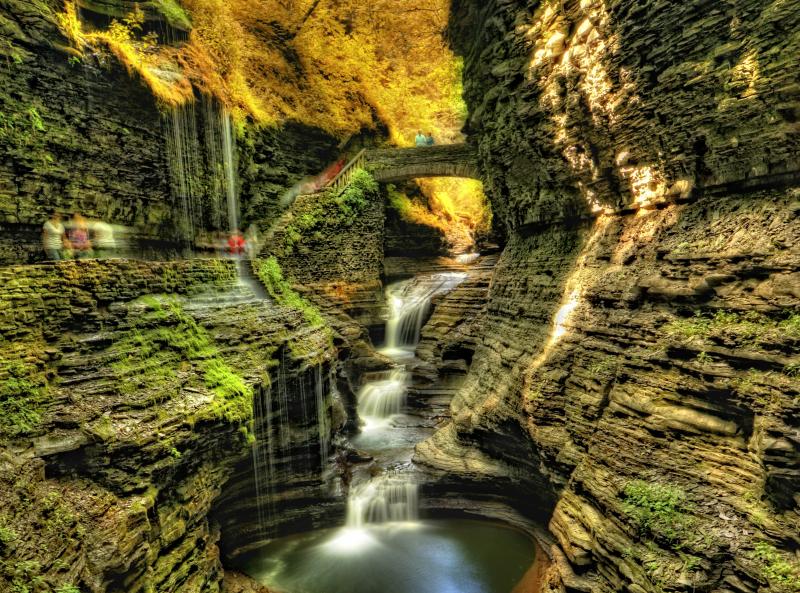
(23, 395)
(174, 14)
(270, 273)
(659, 511)
(168, 339)
(748, 329)
(333, 210)
(782, 571)
(7, 536)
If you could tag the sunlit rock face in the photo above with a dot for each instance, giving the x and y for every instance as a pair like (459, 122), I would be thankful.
(639, 338)
(587, 105)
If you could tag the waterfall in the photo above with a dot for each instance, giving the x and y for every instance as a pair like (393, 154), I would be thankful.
(216, 168)
(393, 497)
(184, 164)
(229, 164)
(223, 178)
(381, 500)
(384, 397)
(285, 429)
(409, 304)
(323, 424)
(264, 459)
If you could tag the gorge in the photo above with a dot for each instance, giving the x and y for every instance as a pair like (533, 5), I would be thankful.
(586, 381)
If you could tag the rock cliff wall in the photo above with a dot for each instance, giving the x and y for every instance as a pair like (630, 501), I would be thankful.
(633, 375)
(125, 413)
(78, 133)
(585, 105)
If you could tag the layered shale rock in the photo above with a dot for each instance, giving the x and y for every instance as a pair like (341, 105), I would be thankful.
(644, 352)
(586, 105)
(633, 384)
(332, 245)
(125, 415)
(156, 171)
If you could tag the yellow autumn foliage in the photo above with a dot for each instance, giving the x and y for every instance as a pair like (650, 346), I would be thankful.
(340, 66)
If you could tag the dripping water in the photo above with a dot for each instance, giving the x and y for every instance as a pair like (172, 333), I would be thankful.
(229, 165)
(183, 161)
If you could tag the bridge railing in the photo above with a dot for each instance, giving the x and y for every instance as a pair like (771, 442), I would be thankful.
(345, 176)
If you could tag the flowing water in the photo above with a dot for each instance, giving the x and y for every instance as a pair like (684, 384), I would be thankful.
(384, 546)
(202, 169)
(184, 162)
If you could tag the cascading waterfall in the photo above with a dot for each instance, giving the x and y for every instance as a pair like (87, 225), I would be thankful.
(409, 303)
(383, 397)
(393, 497)
(184, 164)
(381, 500)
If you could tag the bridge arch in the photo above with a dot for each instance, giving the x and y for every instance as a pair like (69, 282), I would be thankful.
(393, 165)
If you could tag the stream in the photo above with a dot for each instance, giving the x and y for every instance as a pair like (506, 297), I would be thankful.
(384, 546)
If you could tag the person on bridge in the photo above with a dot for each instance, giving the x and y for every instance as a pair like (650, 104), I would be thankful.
(420, 140)
(429, 139)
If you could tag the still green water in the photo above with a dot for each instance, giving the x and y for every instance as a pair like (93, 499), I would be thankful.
(449, 556)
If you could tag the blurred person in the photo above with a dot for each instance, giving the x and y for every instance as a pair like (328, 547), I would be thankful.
(236, 243)
(429, 139)
(78, 237)
(54, 237)
(251, 240)
(420, 139)
(103, 239)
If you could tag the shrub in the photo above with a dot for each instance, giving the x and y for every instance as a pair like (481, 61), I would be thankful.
(659, 510)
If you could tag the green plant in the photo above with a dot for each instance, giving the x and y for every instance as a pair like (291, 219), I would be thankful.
(749, 329)
(175, 453)
(659, 510)
(333, 210)
(7, 536)
(270, 273)
(704, 358)
(779, 569)
(23, 394)
(68, 588)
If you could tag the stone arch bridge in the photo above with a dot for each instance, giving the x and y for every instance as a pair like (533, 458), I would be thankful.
(394, 165)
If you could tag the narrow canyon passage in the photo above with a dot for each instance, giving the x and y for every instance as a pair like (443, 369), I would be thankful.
(430, 296)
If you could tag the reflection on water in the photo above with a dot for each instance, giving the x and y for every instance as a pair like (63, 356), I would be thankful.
(419, 557)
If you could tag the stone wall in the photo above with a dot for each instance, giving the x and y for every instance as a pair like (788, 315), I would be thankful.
(77, 135)
(578, 106)
(639, 342)
(125, 413)
(334, 254)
